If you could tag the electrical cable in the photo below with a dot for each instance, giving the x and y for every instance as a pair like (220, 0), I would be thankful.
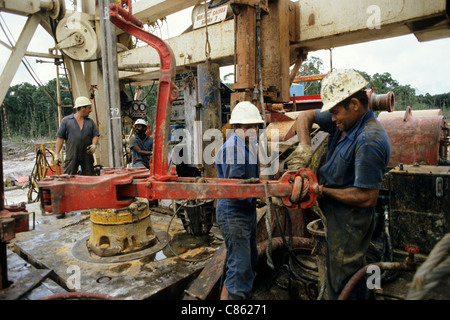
(38, 173)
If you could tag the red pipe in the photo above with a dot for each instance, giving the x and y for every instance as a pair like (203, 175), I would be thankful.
(167, 91)
(78, 295)
(127, 15)
(277, 243)
(361, 273)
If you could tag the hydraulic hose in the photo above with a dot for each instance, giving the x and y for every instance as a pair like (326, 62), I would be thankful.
(361, 273)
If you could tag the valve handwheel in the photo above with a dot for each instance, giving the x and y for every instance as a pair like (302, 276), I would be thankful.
(412, 248)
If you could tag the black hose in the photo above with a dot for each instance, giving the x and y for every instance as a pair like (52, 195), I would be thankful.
(289, 246)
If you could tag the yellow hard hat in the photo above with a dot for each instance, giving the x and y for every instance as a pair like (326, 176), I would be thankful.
(339, 85)
(81, 102)
(245, 112)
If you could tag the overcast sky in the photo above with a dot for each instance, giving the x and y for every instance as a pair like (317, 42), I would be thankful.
(423, 65)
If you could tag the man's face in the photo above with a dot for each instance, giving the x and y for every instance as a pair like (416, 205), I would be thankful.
(140, 128)
(247, 132)
(86, 110)
(344, 118)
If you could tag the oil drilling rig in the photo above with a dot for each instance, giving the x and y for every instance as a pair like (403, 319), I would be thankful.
(266, 42)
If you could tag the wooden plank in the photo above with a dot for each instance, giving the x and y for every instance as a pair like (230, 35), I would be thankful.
(202, 286)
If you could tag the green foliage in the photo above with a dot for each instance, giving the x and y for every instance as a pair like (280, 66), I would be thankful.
(311, 66)
(29, 111)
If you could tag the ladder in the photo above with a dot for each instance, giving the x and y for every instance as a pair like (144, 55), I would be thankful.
(61, 71)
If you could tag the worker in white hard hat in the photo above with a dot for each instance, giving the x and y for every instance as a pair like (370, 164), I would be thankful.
(81, 136)
(349, 181)
(141, 145)
(236, 218)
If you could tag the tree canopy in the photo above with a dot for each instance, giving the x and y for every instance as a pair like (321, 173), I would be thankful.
(405, 95)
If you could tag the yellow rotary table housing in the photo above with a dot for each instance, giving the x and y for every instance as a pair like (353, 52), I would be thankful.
(119, 231)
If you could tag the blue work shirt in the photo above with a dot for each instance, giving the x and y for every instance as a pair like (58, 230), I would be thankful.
(141, 160)
(360, 158)
(236, 218)
(237, 160)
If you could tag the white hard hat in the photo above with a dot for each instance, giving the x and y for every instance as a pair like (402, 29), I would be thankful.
(141, 121)
(245, 113)
(339, 85)
(81, 102)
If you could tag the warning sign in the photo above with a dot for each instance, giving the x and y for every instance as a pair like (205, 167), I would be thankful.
(214, 15)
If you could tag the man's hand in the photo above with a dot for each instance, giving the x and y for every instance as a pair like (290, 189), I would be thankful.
(91, 149)
(300, 157)
(57, 159)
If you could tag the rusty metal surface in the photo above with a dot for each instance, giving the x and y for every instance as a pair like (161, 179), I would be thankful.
(117, 190)
(414, 139)
(284, 129)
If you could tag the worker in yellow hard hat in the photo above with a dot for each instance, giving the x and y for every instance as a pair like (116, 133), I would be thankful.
(349, 181)
(81, 136)
(236, 218)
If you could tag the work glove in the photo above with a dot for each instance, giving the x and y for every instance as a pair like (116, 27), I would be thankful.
(300, 157)
(91, 149)
(57, 160)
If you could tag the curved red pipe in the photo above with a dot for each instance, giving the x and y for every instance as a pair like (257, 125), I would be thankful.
(277, 243)
(78, 295)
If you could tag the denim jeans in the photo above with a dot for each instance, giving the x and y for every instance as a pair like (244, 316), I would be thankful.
(238, 227)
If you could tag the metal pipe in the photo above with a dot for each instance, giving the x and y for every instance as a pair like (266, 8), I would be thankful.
(167, 91)
(264, 143)
(381, 102)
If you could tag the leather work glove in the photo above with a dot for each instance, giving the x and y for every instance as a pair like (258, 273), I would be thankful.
(300, 157)
(91, 149)
(57, 160)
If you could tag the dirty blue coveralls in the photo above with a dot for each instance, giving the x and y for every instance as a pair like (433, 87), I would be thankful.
(359, 159)
(236, 218)
(141, 160)
(76, 143)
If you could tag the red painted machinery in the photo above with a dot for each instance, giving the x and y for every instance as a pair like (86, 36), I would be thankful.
(416, 137)
(118, 187)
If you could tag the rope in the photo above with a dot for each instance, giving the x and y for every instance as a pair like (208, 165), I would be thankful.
(432, 271)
